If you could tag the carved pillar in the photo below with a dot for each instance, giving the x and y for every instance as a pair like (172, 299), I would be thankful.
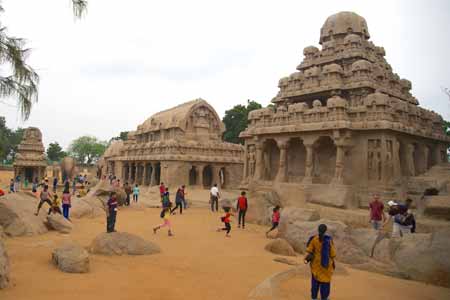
(410, 160)
(200, 175)
(153, 175)
(281, 175)
(246, 158)
(309, 164)
(397, 169)
(339, 169)
(259, 161)
(144, 174)
(426, 153)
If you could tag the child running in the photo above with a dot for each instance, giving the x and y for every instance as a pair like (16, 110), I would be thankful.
(165, 215)
(227, 221)
(275, 219)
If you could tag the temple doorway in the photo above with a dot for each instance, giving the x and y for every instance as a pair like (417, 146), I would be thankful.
(193, 176)
(29, 173)
(207, 176)
(271, 159)
(324, 160)
(296, 157)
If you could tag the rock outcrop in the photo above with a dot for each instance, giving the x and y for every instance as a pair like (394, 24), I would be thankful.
(280, 247)
(120, 243)
(17, 215)
(59, 223)
(4, 267)
(88, 206)
(71, 258)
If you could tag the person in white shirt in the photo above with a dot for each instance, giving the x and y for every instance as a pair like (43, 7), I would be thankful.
(215, 195)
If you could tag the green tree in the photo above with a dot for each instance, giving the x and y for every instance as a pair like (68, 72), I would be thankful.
(9, 141)
(236, 120)
(122, 136)
(55, 152)
(87, 149)
(21, 81)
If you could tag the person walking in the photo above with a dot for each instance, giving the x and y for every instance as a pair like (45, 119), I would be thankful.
(403, 221)
(66, 202)
(376, 212)
(162, 190)
(275, 219)
(44, 197)
(55, 184)
(128, 191)
(111, 213)
(179, 198)
(165, 215)
(241, 207)
(320, 255)
(136, 193)
(12, 186)
(226, 219)
(214, 197)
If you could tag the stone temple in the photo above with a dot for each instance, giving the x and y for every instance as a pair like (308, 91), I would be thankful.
(181, 145)
(343, 125)
(30, 162)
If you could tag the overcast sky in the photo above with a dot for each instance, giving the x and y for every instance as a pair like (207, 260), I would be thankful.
(129, 59)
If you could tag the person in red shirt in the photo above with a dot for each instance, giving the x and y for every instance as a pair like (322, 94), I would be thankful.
(242, 205)
(162, 190)
(275, 219)
(226, 219)
(2, 193)
(376, 212)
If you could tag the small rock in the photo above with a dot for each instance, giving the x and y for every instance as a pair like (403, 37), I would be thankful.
(280, 247)
(119, 243)
(59, 223)
(71, 258)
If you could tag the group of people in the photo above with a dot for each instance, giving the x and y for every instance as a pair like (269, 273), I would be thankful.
(52, 199)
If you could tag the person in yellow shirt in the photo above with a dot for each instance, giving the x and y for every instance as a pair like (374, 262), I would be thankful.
(55, 207)
(320, 254)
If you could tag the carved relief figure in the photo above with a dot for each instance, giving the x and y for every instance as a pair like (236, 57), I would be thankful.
(251, 161)
(374, 159)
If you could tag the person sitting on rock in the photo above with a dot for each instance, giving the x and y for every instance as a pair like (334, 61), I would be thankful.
(55, 206)
(44, 197)
(275, 219)
(320, 255)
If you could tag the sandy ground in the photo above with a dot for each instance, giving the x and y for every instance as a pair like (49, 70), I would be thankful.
(197, 263)
(5, 177)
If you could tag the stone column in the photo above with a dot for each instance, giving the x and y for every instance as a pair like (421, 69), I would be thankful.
(144, 175)
(410, 160)
(246, 162)
(200, 175)
(130, 169)
(437, 154)
(426, 153)
(309, 160)
(339, 169)
(259, 161)
(397, 169)
(281, 175)
(153, 175)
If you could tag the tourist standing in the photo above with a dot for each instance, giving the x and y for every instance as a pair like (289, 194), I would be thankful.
(179, 198)
(34, 185)
(376, 212)
(128, 192)
(136, 193)
(162, 190)
(165, 215)
(214, 197)
(17, 184)
(44, 197)
(275, 219)
(320, 255)
(66, 202)
(12, 186)
(55, 184)
(242, 206)
(111, 213)
(226, 219)
(74, 186)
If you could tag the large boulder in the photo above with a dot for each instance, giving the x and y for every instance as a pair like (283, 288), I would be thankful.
(119, 243)
(17, 215)
(89, 206)
(59, 223)
(292, 214)
(4, 267)
(261, 205)
(71, 258)
(374, 243)
(280, 247)
(104, 189)
(227, 202)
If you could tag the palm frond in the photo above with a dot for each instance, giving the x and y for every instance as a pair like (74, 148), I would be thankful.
(79, 7)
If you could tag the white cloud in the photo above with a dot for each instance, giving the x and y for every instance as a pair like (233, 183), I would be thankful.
(129, 59)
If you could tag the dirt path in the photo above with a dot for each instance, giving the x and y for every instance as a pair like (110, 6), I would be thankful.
(197, 263)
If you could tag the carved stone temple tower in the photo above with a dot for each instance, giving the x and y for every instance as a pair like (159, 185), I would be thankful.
(343, 125)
